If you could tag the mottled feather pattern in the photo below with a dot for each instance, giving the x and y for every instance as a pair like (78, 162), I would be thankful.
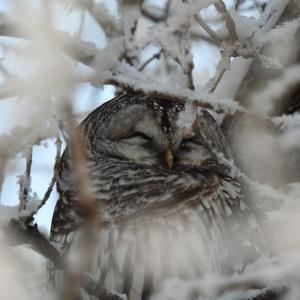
(156, 222)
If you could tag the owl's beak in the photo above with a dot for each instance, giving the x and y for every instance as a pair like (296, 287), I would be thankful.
(169, 158)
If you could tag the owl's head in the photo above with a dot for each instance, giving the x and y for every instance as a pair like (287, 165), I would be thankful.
(155, 132)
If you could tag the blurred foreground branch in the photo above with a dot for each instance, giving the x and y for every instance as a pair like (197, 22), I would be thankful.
(48, 192)
(20, 233)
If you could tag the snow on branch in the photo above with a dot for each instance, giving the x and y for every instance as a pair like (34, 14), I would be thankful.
(77, 49)
(221, 8)
(29, 217)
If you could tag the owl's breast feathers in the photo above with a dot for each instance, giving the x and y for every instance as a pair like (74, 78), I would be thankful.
(162, 224)
(126, 191)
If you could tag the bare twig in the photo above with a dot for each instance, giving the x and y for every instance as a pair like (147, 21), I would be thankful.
(25, 182)
(149, 60)
(47, 194)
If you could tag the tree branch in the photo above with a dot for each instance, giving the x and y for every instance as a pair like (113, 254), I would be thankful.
(30, 217)
(221, 8)
(24, 182)
(155, 15)
(77, 49)
(214, 37)
(148, 61)
(20, 233)
(3, 164)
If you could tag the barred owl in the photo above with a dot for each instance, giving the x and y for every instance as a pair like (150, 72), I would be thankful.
(170, 202)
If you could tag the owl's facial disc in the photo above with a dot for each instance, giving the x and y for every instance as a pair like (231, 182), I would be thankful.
(141, 135)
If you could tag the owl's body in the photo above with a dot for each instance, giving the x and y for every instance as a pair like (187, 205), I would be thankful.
(168, 204)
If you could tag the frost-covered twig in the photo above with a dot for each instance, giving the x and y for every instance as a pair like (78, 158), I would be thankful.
(149, 60)
(105, 20)
(47, 194)
(24, 182)
(187, 64)
(221, 8)
(247, 75)
(213, 35)
(15, 86)
(3, 163)
(231, 38)
(220, 71)
(154, 14)
(149, 89)
(269, 19)
(77, 49)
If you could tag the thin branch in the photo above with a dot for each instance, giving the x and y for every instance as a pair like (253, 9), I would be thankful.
(237, 4)
(221, 8)
(189, 74)
(156, 16)
(199, 36)
(25, 182)
(104, 19)
(3, 70)
(47, 194)
(252, 80)
(77, 49)
(220, 71)
(81, 23)
(188, 66)
(15, 86)
(214, 36)
(3, 163)
(148, 61)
